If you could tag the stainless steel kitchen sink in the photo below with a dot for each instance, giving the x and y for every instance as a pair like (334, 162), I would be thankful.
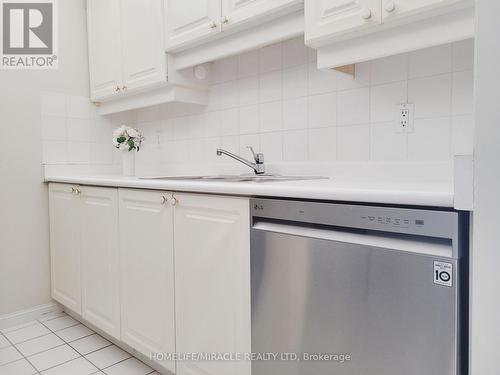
(236, 178)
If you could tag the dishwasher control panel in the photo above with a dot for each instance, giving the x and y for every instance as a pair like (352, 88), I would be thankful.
(388, 219)
(394, 221)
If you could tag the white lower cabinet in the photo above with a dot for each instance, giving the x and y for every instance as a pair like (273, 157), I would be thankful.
(100, 258)
(65, 245)
(161, 272)
(212, 281)
(147, 272)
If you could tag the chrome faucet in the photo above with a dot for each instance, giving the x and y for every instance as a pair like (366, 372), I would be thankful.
(258, 166)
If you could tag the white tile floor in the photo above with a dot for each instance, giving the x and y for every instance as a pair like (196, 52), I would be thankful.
(60, 345)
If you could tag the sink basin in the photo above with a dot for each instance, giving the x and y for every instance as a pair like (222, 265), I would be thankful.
(236, 178)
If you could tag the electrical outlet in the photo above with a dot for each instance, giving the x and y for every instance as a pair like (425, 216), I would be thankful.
(404, 117)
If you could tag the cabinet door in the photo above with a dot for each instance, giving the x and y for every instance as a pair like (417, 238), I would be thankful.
(143, 49)
(189, 22)
(104, 48)
(65, 243)
(100, 259)
(329, 19)
(239, 12)
(396, 9)
(212, 281)
(147, 272)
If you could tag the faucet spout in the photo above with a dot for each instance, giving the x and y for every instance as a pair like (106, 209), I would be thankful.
(257, 166)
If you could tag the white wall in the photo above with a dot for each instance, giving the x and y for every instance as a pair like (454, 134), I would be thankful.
(277, 101)
(486, 244)
(24, 240)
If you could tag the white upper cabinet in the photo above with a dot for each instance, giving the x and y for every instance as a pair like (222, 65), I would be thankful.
(126, 46)
(147, 272)
(346, 32)
(104, 47)
(334, 18)
(189, 22)
(65, 245)
(212, 281)
(240, 12)
(395, 9)
(144, 59)
(100, 258)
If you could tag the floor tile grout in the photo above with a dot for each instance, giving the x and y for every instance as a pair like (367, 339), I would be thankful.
(65, 343)
(22, 355)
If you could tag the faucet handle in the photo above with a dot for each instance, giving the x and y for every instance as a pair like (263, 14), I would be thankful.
(258, 157)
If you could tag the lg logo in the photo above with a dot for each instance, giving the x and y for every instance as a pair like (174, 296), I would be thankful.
(28, 34)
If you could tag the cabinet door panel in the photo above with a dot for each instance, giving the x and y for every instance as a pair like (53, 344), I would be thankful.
(65, 246)
(188, 22)
(395, 9)
(147, 273)
(144, 60)
(327, 19)
(238, 12)
(212, 281)
(104, 48)
(100, 259)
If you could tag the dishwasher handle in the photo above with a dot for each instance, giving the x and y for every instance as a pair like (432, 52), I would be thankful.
(406, 243)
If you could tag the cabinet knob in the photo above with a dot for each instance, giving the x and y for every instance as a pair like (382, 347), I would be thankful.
(213, 25)
(173, 201)
(366, 13)
(117, 89)
(124, 88)
(390, 6)
(225, 20)
(163, 199)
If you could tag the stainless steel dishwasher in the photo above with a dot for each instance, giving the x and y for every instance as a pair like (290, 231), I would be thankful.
(358, 290)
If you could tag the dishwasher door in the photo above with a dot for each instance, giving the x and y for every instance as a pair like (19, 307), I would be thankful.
(372, 297)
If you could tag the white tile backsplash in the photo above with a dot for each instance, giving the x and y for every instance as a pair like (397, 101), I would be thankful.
(322, 110)
(430, 61)
(353, 107)
(295, 113)
(322, 144)
(73, 133)
(295, 82)
(276, 100)
(295, 145)
(431, 96)
(353, 142)
(431, 139)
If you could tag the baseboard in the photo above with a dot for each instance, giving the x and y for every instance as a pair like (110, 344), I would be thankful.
(25, 316)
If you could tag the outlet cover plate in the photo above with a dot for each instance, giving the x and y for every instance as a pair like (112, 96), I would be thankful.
(404, 117)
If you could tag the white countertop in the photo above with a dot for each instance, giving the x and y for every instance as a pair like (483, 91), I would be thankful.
(437, 194)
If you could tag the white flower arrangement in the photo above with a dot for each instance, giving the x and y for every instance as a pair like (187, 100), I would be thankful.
(127, 139)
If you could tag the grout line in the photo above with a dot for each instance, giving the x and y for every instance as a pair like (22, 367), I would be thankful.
(22, 355)
(84, 356)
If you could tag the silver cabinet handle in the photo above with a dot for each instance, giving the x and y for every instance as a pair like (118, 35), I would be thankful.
(225, 20)
(163, 200)
(213, 25)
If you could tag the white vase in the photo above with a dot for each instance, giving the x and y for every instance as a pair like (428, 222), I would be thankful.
(128, 163)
